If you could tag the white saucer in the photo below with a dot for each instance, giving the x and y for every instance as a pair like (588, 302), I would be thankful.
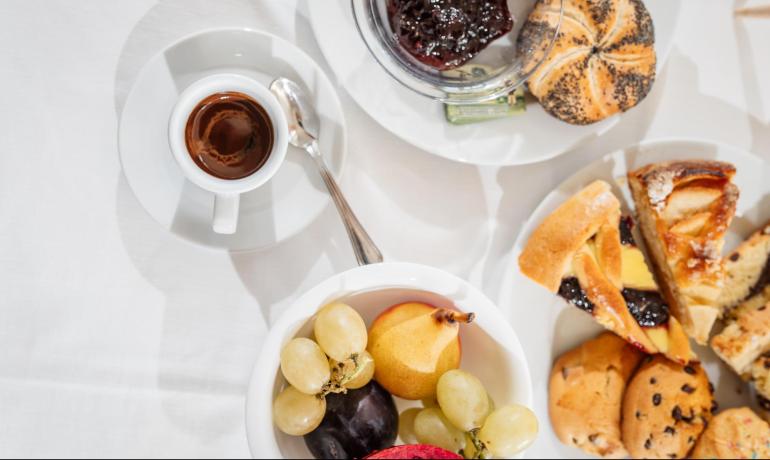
(547, 326)
(532, 137)
(270, 214)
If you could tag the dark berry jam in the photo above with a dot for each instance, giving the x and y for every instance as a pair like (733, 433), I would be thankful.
(445, 34)
(764, 403)
(626, 235)
(570, 289)
(647, 307)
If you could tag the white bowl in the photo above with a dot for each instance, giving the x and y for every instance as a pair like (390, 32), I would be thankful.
(491, 350)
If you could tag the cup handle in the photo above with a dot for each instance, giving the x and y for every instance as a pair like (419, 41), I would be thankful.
(226, 213)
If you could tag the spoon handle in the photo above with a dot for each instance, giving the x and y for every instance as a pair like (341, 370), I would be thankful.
(366, 251)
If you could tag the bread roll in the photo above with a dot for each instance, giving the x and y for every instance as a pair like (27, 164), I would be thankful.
(602, 63)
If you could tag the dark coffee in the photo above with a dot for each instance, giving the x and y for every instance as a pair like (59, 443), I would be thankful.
(229, 135)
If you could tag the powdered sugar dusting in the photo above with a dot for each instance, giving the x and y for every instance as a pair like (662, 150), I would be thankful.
(659, 187)
(602, 200)
(708, 250)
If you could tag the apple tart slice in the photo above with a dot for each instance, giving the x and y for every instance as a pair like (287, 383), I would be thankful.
(684, 209)
(586, 253)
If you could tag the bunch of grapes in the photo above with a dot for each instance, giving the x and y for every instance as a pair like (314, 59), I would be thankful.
(336, 361)
(463, 419)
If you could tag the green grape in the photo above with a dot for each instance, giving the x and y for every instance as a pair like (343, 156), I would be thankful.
(463, 399)
(296, 413)
(508, 430)
(305, 366)
(491, 405)
(353, 374)
(340, 331)
(432, 427)
(406, 426)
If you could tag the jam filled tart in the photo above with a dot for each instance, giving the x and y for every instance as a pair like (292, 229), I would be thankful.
(586, 252)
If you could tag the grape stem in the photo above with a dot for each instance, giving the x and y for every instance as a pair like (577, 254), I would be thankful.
(480, 449)
(340, 378)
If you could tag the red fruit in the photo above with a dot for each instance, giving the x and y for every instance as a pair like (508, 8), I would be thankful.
(415, 451)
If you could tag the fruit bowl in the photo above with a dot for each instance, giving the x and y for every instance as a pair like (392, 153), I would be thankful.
(495, 71)
(491, 349)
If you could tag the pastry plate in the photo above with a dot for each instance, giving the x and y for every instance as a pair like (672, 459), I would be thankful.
(547, 326)
(532, 137)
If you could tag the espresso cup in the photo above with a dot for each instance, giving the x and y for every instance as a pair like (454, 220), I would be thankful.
(227, 192)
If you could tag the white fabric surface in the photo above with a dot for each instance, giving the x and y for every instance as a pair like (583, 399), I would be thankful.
(120, 340)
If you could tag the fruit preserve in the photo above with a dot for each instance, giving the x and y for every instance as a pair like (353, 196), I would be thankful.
(445, 34)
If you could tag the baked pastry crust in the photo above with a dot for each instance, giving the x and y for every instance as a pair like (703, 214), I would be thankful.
(581, 240)
(602, 63)
(685, 208)
(734, 433)
(745, 338)
(553, 245)
(585, 394)
(760, 376)
(744, 343)
(747, 271)
(665, 408)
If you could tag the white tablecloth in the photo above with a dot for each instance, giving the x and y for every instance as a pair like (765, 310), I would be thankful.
(118, 339)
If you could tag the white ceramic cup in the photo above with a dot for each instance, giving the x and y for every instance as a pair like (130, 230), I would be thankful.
(227, 193)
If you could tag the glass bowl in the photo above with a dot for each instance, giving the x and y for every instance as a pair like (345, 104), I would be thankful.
(496, 71)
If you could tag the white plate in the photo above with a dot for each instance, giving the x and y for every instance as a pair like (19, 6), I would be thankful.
(491, 350)
(548, 326)
(530, 138)
(270, 214)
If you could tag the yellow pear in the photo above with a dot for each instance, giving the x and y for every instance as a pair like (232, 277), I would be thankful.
(413, 344)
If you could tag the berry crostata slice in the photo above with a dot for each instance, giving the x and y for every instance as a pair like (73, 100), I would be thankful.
(684, 209)
(584, 252)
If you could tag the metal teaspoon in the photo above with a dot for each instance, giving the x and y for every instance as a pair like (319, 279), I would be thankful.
(303, 129)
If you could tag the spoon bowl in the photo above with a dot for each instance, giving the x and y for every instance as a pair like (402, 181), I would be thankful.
(300, 114)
